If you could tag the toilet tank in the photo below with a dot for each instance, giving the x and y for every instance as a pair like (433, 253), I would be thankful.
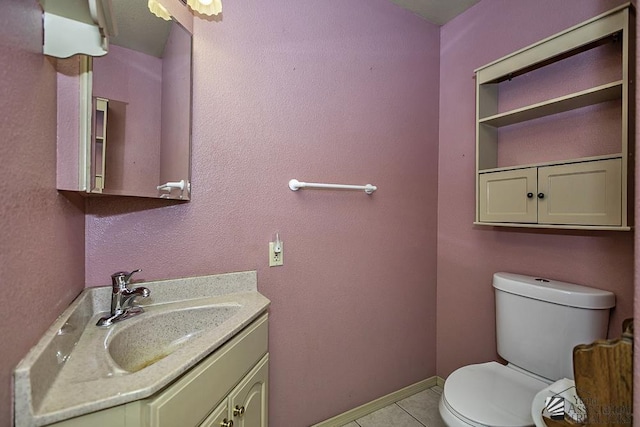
(539, 321)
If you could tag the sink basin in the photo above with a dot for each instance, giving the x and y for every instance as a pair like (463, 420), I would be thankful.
(153, 336)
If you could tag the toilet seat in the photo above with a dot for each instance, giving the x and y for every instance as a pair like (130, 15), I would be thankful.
(491, 394)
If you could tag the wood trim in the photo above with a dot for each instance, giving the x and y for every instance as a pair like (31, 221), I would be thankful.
(553, 163)
(554, 226)
(572, 40)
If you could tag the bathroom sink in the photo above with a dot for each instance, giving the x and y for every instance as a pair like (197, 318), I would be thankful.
(140, 342)
(80, 368)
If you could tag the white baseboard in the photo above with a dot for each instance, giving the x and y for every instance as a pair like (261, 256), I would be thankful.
(367, 408)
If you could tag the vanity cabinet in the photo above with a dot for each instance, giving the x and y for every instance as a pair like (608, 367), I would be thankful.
(219, 417)
(584, 189)
(246, 405)
(235, 375)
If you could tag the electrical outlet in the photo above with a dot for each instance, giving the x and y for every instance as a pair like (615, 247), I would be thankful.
(275, 258)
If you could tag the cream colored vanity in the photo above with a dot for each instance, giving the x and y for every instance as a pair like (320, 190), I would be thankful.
(229, 385)
(197, 356)
(582, 190)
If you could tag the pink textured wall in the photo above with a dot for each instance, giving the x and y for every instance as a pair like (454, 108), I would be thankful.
(468, 255)
(346, 93)
(136, 79)
(68, 127)
(595, 130)
(42, 233)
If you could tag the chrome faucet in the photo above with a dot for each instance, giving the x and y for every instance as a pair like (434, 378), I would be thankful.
(122, 298)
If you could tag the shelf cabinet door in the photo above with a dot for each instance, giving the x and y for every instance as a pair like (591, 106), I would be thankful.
(587, 193)
(508, 196)
(248, 402)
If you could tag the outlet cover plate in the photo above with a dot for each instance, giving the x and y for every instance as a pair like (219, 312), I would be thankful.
(276, 259)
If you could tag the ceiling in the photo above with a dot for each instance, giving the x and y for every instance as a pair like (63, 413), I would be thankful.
(139, 30)
(436, 11)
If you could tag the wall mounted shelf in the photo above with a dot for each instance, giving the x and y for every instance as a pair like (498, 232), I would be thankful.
(604, 93)
(579, 192)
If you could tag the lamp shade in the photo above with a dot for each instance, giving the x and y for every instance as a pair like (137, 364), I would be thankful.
(206, 7)
(159, 10)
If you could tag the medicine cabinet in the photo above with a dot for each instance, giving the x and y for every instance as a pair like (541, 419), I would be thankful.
(124, 119)
(582, 185)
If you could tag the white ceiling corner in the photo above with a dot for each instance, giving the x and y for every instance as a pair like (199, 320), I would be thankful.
(438, 12)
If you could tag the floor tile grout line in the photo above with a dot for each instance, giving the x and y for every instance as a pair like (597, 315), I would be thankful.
(410, 414)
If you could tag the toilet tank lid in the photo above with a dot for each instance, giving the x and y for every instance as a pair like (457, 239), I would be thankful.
(554, 291)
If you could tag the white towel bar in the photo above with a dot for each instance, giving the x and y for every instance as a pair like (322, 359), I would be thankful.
(295, 185)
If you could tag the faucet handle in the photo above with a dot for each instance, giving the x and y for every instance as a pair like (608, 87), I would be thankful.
(121, 279)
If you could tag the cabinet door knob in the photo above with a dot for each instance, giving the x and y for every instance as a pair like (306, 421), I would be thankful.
(226, 423)
(540, 195)
(238, 410)
(530, 195)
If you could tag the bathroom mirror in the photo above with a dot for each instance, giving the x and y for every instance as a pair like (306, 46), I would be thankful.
(134, 109)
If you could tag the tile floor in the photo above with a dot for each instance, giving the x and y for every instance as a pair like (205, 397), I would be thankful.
(419, 410)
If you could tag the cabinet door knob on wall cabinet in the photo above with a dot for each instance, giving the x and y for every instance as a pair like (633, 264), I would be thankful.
(226, 423)
(530, 195)
(540, 195)
(238, 411)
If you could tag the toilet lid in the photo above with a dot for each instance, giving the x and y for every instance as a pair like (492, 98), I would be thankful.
(492, 394)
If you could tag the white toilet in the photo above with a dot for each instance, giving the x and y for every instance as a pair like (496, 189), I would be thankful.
(538, 322)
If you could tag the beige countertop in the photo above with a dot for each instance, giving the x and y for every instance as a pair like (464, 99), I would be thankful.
(70, 373)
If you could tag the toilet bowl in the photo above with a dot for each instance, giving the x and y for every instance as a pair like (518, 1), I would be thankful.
(489, 394)
(538, 322)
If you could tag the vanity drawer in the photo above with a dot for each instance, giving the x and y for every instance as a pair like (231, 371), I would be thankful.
(188, 401)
